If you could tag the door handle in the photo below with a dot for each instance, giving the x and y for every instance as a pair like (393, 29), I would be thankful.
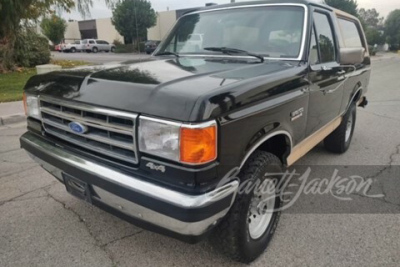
(326, 68)
(341, 72)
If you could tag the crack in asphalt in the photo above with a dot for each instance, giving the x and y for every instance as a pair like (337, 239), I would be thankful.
(382, 116)
(381, 185)
(97, 241)
(15, 199)
(18, 172)
(8, 151)
(122, 238)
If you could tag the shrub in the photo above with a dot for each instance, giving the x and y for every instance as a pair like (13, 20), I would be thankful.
(129, 48)
(372, 50)
(31, 49)
(117, 42)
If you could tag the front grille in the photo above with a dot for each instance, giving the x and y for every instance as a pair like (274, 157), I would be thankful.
(109, 132)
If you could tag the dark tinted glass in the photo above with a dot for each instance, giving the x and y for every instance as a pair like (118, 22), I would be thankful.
(325, 37)
(314, 57)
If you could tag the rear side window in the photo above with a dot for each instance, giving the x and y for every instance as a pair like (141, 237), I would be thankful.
(325, 37)
(351, 35)
(91, 42)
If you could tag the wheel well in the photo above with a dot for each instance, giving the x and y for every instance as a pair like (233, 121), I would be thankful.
(279, 145)
(357, 96)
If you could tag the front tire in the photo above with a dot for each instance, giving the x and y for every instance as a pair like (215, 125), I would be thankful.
(248, 227)
(339, 140)
(73, 50)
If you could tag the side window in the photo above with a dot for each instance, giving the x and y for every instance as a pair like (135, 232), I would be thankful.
(325, 37)
(314, 56)
(351, 35)
(91, 42)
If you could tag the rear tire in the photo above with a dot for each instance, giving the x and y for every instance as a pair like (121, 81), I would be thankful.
(95, 50)
(242, 235)
(73, 50)
(339, 140)
(112, 49)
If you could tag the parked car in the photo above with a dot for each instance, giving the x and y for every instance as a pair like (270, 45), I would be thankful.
(94, 45)
(76, 46)
(150, 46)
(58, 48)
(168, 142)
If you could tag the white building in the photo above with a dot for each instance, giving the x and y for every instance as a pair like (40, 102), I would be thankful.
(104, 29)
(92, 29)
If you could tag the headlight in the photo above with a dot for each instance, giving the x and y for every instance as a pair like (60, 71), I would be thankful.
(31, 105)
(186, 143)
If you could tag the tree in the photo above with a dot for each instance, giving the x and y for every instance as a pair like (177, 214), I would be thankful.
(349, 6)
(373, 25)
(54, 28)
(370, 17)
(132, 18)
(392, 29)
(16, 13)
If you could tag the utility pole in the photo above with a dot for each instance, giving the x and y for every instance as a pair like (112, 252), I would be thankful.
(137, 30)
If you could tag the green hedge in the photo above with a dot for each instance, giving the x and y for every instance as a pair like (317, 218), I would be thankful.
(128, 48)
(31, 49)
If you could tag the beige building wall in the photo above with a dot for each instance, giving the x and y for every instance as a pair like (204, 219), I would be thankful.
(106, 31)
(165, 21)
(72, 31)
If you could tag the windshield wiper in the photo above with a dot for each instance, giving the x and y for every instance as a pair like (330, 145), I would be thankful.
(230, 51)
(167, 53)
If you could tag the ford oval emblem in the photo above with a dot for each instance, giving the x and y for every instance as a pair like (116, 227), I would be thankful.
(77, 127)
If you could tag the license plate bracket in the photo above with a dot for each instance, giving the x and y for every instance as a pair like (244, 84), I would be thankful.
(77, 188)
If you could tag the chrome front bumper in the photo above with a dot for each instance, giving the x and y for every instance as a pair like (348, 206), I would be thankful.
(147, 203)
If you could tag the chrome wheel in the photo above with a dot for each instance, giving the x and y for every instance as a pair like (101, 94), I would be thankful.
(261, 209)
(349, 128)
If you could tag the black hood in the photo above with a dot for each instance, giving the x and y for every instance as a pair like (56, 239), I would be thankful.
(184, 89)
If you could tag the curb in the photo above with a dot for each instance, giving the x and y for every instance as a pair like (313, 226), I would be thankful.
(7, 120)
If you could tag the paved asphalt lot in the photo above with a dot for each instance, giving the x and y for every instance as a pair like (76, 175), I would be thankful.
(98, 58)
(42, 225)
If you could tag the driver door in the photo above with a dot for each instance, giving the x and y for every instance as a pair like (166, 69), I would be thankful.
(325, 74)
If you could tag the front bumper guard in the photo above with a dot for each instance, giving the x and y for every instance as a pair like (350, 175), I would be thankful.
(136, 200)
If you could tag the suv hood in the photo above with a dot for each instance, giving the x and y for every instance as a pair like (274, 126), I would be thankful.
(183, 89)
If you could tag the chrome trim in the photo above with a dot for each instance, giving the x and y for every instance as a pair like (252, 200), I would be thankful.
(89, 122)
(94, 148)
(352, 98)
(85, 107)
(142, 213)
(131, 153)
(154, 191)
(124, 145)
(261, 141)
(303, 43)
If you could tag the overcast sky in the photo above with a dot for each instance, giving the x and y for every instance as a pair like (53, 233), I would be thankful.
(100, 10)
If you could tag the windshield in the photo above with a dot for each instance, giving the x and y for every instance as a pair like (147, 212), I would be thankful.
(272, 31)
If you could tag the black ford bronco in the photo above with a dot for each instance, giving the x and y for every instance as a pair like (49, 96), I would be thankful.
(234, 91)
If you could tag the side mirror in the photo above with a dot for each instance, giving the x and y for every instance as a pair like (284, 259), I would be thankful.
(352, 56)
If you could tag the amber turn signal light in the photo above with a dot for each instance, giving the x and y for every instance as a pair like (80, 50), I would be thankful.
(198, 145)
